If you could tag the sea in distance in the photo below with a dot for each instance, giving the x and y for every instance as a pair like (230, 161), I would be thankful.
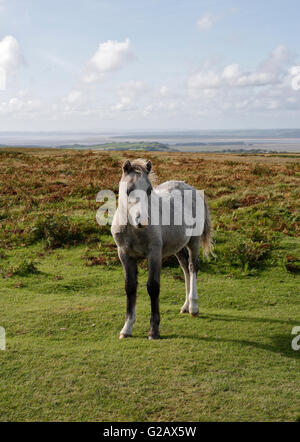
(268, 140)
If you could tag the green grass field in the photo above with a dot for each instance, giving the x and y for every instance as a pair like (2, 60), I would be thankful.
(63, 308)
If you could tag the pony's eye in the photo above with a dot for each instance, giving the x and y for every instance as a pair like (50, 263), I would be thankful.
(129, 190)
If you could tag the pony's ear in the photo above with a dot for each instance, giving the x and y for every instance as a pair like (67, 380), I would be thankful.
(148, 166)
(127, 166)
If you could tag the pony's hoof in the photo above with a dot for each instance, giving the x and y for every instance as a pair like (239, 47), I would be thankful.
(195, 315)
(183, 310)
(123, 336)
(151, 337)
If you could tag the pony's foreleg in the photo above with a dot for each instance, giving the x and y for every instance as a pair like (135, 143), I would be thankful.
(183, 259)
(193, 297)
(130, 271)
(153, 287)
(193, 268)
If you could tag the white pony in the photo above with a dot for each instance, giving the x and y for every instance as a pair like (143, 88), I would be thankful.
(154, 222)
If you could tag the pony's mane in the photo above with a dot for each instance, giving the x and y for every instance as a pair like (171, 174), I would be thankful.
(139, 165)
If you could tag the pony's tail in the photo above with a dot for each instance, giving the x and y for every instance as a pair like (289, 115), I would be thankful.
(206, 237)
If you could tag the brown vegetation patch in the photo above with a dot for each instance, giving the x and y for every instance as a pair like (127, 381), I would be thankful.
(250, 200)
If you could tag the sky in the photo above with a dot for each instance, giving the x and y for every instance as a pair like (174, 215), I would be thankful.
(117, 65)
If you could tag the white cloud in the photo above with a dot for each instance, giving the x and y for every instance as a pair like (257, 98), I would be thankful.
(73, 97)
(271, 86)
(164, 91)
(277, 60)
(294, 70)
(206, 21)
(10, 55)
(20, 106)
(110, 56)
(129, 93)
(256, 79)
(231, 72)
(269, 72)
(214, 91)
(76, 102)
(203, 80)
(72, 102)
(233, 76)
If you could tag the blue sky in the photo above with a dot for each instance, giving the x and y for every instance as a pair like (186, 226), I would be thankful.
(150, 64)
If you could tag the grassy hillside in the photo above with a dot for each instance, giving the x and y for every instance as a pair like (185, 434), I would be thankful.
(141, 146)
(63, 302)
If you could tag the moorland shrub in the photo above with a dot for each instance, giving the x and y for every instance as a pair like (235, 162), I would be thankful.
(59, 231)
(248, 253)
(25, 268)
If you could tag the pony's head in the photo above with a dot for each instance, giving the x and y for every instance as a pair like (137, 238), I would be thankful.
(135, 190)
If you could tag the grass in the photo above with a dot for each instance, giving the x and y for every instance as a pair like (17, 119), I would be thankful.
(63, 304)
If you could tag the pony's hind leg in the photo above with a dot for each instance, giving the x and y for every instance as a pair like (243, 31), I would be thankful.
(193, 248)
(183, 259)
(130, 271)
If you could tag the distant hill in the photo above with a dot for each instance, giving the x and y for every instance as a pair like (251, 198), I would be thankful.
(126, 145)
